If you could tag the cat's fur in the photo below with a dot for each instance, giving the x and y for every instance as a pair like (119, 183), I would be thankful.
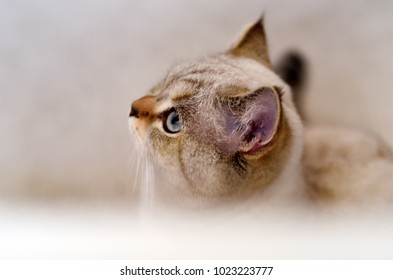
(241, 133)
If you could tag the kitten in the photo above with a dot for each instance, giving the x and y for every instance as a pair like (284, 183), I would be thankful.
(226, 126)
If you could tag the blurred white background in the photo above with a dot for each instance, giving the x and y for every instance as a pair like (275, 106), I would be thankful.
(70, 69)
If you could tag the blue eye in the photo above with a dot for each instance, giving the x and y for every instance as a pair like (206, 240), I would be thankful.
(172, 122)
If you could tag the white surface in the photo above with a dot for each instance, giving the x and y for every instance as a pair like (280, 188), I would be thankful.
(110, 231)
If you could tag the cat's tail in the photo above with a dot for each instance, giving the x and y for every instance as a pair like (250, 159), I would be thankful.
(292, 69)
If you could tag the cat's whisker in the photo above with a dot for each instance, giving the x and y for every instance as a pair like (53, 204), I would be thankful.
(146, 199)
(143, 185)
(129, 175)
(132, 160)
(146, 186)
(136, 174)
(150, 179)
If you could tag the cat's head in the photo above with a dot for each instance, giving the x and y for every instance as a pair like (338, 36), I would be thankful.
(222, 124)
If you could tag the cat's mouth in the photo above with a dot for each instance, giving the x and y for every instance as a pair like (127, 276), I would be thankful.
(135, 132)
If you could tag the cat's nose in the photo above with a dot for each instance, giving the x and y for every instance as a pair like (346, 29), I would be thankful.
(143, 107)
(134, 112)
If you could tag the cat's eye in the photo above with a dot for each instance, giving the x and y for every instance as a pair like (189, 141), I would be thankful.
(172, 123)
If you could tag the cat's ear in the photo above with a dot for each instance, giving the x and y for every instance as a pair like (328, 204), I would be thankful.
(253, 44)
(253, 120)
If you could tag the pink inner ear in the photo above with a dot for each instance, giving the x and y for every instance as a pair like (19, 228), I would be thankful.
(259, 122)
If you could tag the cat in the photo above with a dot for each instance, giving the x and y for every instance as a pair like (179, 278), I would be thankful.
(227, 126)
